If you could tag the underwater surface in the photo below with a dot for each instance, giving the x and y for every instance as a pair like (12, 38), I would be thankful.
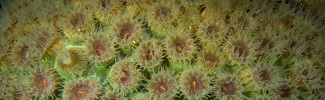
(162, 49)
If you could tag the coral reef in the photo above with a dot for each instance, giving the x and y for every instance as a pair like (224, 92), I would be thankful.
(162, 49)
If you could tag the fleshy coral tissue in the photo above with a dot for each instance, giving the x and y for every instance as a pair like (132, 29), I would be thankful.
(162, 49)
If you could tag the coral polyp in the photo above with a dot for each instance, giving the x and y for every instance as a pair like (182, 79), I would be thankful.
(70, 62)
(228, 87)
(262, 76)
(82, 89)
(112, 95)
(212, 31)
(269, 43)
(294, 46)
(127, 31)
(306, 73)
(21, 55)
(100, 48)
(124, 76)
(17, 93)
(43, 81)
(47, 42)
(149, 54)
(266, 77)
(161, 17)
(240, 49)
(162, 85)
(105, 10)
(11, 89)
(210, 60)
(162, 49)
(79, 20)
(194, 84)
(287, 91)
(180, 48)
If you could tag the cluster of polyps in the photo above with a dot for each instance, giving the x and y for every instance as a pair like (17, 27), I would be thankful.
(179, 49)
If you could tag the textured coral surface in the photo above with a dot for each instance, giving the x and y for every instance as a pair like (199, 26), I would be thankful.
(162, 49)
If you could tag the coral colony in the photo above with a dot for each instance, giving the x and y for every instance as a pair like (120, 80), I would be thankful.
(162, 49)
